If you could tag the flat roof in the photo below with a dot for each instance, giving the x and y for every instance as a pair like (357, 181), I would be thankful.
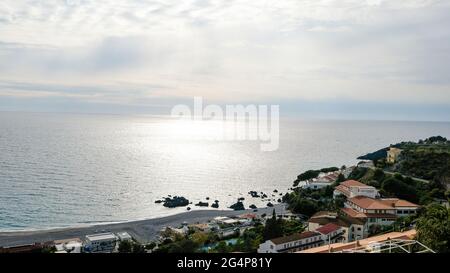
(410, 234)
(101, 236)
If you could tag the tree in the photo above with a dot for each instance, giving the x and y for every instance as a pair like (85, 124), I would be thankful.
(199, 238)
(433, 228)
(138, 248)
(125, 247)
(304, 206)
(273, 228)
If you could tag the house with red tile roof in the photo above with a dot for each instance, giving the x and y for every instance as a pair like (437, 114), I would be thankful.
(378, 211)
(352, 188)
(353, 228)
(331, 233)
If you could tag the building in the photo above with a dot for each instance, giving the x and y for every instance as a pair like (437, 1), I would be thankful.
(292, 243)
(347, 171)
(353, 228)
(352, 188)
(371, 244)
(331, 233)
(73, 245)
(124, 236)
(393, 154)
(378, 211)
(323, 180)
(101, 242)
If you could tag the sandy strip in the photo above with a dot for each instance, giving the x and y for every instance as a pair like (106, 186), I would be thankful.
(142, 230)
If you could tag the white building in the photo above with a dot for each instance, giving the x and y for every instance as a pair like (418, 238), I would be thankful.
(124, 236)
(292, 243)
(323, 180)
(73, 245)
(352, 188)
(101, 242)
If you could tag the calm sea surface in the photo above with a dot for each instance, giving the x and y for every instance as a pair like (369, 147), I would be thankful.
(65, 169)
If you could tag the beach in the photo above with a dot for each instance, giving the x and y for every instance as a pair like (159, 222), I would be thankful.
(143, 231)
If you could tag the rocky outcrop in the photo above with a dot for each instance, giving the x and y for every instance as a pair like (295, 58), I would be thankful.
(202, 204)
(176, 201)
(254, 194)
(238, 206)
(215, 204)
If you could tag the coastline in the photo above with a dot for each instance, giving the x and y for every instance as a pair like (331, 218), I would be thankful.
(143, 231)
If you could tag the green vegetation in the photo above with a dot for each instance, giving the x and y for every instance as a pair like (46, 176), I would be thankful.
(130, 247)
(427, 162)
(198, 241)
(309, 201)
(433, 228)
(273, 228)
(397, 185)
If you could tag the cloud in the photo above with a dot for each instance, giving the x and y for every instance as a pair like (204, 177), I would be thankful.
(314, 50)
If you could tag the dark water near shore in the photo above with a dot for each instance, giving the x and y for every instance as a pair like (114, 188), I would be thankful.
(65, 169)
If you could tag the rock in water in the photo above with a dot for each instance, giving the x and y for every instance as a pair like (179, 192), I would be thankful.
(253, 194)
(177, 201)
(202, 204)
(238, 206)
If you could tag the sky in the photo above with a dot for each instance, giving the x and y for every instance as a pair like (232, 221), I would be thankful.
(350, 59)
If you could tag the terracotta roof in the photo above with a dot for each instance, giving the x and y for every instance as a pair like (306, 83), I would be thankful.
(343, 189)
(353, 183)
(339, 220)
(324, 213)
(328, 228)
(395, 202)
(294, 237)
(353, 213)
(407, 235)
(356, 214)
(369, 203)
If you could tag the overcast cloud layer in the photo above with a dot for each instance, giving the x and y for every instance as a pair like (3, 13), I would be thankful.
(136, 55)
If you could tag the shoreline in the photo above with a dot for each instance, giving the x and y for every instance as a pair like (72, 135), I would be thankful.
(143, 231)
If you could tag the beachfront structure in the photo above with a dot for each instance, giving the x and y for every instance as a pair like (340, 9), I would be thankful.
(73, 245)
(101, 242)
(292, 243)
(242, 220)
(378, 211)
(353, 228)
(124, 236)
(393, 154)
(352, 188)
(204, 227)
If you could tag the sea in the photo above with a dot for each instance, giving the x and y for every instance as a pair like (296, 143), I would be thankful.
(60, 169)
